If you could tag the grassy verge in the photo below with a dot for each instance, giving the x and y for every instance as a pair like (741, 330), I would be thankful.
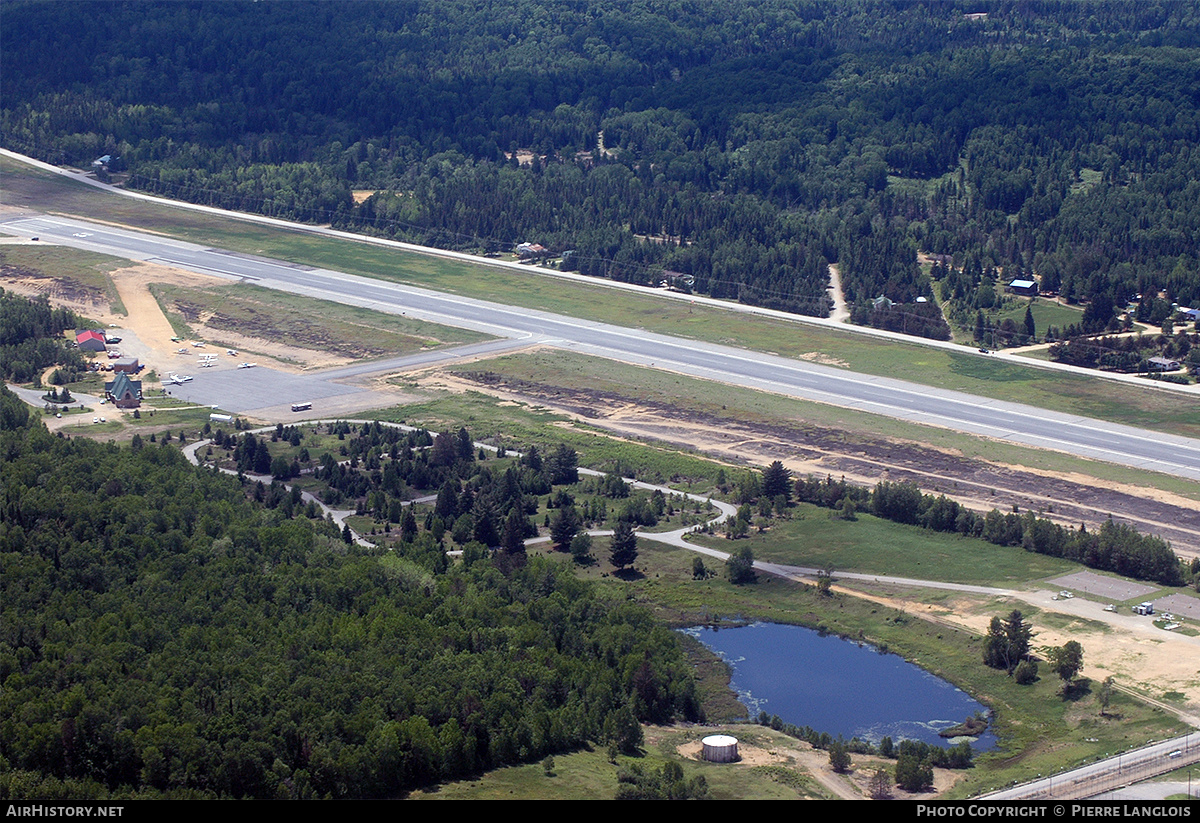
(687, 395)
(516, 427)
(302, 322)
(178, 324)
(84, 273)
(946, 369)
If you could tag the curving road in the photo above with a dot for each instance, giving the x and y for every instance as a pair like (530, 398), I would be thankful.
(895, 398)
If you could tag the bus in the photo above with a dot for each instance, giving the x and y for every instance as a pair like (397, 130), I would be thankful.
(297, 407)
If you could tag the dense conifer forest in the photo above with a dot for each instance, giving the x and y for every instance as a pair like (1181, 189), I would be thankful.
(163, 634)
(747, 144)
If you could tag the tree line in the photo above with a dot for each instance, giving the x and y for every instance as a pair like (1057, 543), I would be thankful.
(746, 144)
(1114, 547)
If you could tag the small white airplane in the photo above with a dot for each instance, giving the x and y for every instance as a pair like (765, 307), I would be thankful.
(247, 365)
(178, 379)
(181, 351)
(231, 352)
(198, 344)
(207, 364)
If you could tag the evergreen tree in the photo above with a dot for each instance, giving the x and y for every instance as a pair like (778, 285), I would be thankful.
(1007, 642)
(839, 758)
(563, 527)
(623, 550)
(777, 481)
(513, 540)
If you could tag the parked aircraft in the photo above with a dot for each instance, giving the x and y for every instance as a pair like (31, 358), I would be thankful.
(247, 365)
(178, 379)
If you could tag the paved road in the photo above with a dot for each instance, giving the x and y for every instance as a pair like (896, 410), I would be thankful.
(895, 398)
(1111, 774)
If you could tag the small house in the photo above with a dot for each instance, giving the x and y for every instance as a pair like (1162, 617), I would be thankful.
(129, 365)
(1029, 288)
(124, 392)
(1163, 364)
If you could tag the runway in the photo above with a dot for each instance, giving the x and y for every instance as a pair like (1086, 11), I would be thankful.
(1013, 422)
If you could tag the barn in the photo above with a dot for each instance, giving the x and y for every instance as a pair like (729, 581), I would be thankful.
(90, 340)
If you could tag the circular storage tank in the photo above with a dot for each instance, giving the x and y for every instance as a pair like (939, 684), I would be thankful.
(720, 748)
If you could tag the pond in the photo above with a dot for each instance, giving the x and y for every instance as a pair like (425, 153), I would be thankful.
(838, 686)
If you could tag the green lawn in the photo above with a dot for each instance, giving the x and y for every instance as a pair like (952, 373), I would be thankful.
(1046, 313)
(813, 538)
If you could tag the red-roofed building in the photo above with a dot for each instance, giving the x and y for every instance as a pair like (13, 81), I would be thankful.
(90, 340)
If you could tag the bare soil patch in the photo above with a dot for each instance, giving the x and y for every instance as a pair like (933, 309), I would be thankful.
(1138, 656)
(61, 291)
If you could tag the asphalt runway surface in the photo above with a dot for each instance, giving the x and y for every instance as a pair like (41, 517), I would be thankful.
(894, 398)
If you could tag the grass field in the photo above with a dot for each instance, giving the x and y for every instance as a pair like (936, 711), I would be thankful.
(813, 538)
(963, 372)
(85, 271)
(589, 775)
(1046, 313)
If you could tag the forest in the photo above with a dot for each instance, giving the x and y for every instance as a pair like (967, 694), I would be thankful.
(31, 338)
(165, 634)
(746, 144)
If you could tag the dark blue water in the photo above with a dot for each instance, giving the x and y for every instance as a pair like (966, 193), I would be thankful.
(837, 686)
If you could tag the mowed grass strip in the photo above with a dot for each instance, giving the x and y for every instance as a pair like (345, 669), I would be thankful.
(1094, 397)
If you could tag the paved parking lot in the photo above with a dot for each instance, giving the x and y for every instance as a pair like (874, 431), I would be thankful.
(1101, 586)
(241, 390)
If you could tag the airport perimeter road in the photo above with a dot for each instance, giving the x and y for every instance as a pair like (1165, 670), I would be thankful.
(895, 398)
(1099, 779)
